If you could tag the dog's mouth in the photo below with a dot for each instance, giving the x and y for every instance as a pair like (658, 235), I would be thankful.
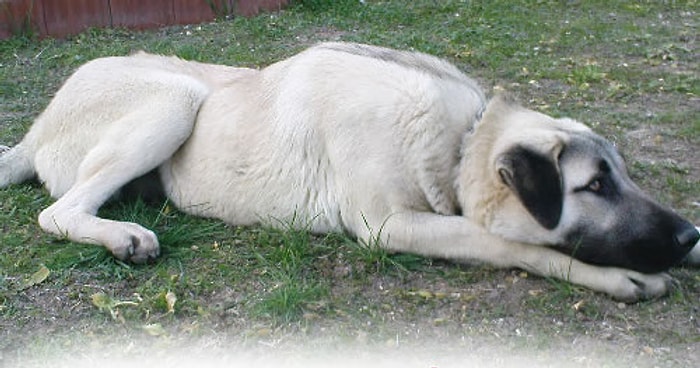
(664, 243)
(646, 255)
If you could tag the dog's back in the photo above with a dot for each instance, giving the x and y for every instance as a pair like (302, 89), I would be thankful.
(333, 134)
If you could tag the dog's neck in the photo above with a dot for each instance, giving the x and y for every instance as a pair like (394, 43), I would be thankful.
(478, 187)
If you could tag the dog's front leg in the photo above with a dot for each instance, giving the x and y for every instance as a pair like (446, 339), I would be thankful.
(457, 238)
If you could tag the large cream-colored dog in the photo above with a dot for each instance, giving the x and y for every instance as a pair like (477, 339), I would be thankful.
(355, 138)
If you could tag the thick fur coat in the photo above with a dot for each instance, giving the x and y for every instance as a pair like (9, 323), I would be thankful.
(385, 145)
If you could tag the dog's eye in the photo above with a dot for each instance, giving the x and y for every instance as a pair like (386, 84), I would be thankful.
(595, 186)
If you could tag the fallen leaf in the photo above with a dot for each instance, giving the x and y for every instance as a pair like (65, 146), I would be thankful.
(128, 303)
(535, 292)
(105, 303)
(154, 329)
(170, 300)
(425, 294)
(36, 278)
(579, 305)
(102, 301)
(202, 312)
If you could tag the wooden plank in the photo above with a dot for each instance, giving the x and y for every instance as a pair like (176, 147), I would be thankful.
(65, 17)
(142, 14)
(20, 16)
(59, 18)
(248, 8)
(195, 11)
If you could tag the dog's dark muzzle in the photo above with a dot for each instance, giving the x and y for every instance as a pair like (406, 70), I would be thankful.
(662, 244)
(661, 249)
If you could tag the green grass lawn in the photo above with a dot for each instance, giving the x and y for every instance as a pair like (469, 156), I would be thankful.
(629, 69)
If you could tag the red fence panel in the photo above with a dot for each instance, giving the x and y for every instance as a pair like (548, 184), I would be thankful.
(64, 17)
(141, 13)
(195, 11)
(59, 18)
(18, 16)
(249, 8)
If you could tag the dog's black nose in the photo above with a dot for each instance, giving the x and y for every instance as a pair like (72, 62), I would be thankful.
(687, 236)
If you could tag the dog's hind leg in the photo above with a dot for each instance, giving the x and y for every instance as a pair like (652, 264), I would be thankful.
(15, 165)
(132, 146)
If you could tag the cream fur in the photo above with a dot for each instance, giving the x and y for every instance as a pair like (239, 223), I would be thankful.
(341, 137)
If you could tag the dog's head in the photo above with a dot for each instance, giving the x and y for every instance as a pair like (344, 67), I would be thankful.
(531, 178)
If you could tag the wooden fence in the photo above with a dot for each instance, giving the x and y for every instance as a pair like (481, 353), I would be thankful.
(59, 18)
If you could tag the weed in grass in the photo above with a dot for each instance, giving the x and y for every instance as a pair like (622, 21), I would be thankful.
(563, 290)
(378, 259)
(585, 75)
(288, 299)
(691, 129)
(285, 265)
(374, 256)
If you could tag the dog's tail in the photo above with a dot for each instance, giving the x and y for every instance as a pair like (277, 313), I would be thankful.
(16, 165)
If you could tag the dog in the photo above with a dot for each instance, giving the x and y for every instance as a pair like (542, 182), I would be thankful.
(396, 147)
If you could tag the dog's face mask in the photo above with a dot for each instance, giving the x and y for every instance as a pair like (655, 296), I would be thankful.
(569, 189)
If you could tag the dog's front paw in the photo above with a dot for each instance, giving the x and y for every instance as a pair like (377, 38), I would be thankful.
(3, 149)
(134, 243)
(630, 286)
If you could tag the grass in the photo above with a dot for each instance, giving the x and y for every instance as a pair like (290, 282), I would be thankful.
(628, 69)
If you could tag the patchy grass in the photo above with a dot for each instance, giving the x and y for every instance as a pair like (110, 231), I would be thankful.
(628, 69)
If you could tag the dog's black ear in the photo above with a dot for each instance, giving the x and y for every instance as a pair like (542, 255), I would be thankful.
(536, 180)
